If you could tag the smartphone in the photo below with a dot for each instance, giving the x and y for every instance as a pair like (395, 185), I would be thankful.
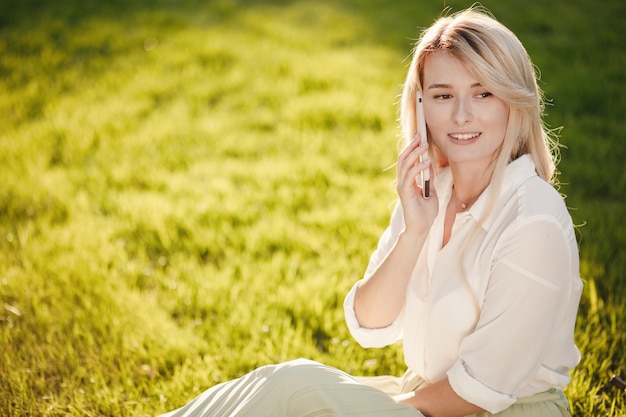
(421, 125)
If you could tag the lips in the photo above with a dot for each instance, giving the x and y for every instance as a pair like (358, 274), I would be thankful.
(464, 136)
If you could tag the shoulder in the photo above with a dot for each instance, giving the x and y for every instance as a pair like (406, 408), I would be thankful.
(528, 205)
(538, 220)
(527, 195)
(535, 198)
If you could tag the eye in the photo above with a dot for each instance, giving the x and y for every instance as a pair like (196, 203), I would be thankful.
(443, 96)
(484, 95)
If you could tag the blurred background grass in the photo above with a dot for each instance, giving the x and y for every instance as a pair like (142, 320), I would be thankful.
(188, 189)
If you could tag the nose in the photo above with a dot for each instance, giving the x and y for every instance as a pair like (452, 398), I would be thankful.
(462, 112)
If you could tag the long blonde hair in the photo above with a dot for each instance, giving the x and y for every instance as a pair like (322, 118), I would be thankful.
(499, 61)
(496, 57)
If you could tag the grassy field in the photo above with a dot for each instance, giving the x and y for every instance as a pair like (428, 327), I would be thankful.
(189, 188)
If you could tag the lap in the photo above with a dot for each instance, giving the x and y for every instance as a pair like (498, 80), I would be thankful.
(546, 404)
(304, 388)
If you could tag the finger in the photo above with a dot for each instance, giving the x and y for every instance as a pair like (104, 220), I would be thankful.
(418, 173)
(411, 155)
(409, 179)
(413, 164)
(410, 147)
(431, 183)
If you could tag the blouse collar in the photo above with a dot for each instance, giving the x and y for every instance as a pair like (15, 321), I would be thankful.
(515, 173)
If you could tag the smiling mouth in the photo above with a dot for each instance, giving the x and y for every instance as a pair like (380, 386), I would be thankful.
(464, 136)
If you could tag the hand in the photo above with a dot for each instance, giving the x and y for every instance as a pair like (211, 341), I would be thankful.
(438, 399)
(419, 212)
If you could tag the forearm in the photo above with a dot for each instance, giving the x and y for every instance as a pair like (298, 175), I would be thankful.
(380, 298)
(439, 400)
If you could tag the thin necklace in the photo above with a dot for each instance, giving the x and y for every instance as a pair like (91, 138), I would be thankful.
(464, 205)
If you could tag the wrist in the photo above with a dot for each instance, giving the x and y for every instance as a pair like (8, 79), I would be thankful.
(411, 237)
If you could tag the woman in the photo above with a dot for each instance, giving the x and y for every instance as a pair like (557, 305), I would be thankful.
(480, 280)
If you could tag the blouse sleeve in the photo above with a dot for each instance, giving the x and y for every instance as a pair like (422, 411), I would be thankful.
(532, 288)
(373, 338)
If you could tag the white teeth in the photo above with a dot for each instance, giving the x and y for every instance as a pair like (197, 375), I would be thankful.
(465, 136)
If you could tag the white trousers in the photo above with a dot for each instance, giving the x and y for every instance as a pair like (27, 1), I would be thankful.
(300, 388)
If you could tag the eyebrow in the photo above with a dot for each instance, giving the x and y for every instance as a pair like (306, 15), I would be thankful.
(433, 86)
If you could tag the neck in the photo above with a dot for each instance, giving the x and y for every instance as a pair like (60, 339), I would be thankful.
(469, 183)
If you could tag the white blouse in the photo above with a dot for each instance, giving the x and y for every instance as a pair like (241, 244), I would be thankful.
(499, 324)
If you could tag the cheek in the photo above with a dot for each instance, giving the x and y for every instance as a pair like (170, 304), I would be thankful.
(503, 116)
(436, 135)
(434, 123)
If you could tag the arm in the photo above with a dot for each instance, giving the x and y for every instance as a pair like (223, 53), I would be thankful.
(439, 400)
(521, 320)
(524, 336)
(379, 299)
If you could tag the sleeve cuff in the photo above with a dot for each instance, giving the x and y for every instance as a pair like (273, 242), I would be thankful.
(475, 392)
(369, 338)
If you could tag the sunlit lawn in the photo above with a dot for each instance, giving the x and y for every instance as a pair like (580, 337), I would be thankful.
(188, 189)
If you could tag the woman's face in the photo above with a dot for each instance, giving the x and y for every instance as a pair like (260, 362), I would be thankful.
(466, 121)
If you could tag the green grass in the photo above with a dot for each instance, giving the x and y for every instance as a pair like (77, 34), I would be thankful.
(188, 189)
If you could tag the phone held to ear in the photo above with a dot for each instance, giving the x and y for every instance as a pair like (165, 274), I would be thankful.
(425, 175)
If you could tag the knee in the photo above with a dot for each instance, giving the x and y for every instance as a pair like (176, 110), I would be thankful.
(304, 372)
